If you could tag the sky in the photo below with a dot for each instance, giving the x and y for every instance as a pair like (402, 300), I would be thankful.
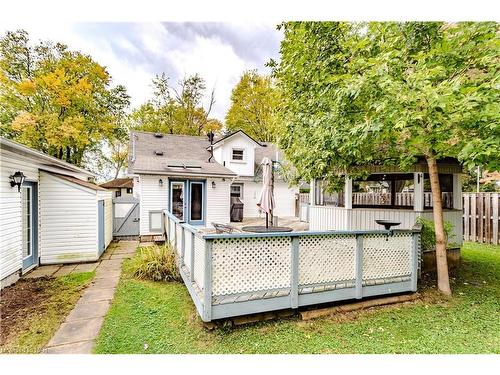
(134, 52)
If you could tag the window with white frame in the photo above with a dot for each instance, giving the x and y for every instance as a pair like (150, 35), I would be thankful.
(237, 191)
(237, 154)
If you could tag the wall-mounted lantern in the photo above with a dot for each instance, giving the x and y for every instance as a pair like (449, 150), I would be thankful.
(213, 185)
(160, 182)
(17, 179)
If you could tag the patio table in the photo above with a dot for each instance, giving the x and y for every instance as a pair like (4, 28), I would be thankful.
(263, 229)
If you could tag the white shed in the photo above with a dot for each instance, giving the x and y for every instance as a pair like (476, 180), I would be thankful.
(56, 216)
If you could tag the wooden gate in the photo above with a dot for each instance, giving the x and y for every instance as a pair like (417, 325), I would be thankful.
(125, 217)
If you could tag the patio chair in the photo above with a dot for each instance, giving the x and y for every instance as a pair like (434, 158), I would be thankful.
(224, 228)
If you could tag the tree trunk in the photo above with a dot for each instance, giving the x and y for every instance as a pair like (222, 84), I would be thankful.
(441, 260)
(117, 171)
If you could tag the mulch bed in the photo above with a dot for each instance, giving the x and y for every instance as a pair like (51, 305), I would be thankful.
(20, 300)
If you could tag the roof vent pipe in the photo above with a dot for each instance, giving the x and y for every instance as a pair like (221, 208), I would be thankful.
(210, 136)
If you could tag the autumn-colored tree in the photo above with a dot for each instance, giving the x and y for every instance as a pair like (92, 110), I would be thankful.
(355, 94)
(176, 110)
(254, 107)
(56, 100)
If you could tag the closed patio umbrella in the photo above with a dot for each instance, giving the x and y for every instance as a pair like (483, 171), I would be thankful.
(266, 200)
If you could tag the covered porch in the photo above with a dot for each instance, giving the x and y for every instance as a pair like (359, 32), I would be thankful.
(389, 194)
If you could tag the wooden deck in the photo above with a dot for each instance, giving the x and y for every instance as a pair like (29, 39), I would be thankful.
(237, 274)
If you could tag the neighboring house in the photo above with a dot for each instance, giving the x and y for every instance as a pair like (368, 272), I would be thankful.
(54, 216)
(491, 177)
(179, 173)
(121, 187)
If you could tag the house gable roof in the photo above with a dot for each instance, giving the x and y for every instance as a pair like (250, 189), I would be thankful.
(77, 181)
(119, 183)
(42, 157)
(173, 154)
(219, 141)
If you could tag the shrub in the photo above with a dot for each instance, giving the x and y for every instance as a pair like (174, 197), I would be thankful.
(155, 263)
(428, 237)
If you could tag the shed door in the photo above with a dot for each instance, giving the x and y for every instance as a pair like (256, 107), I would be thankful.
(29, 202)
(100, 224)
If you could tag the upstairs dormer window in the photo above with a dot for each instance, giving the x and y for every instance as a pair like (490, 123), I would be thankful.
(238, 155)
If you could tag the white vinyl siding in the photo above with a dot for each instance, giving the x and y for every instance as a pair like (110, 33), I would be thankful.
(53, 235)
(283, 196)
(68, 221)
(217, 201)
(340, 218)
(10, 211)
(153, 197)
(223, 154)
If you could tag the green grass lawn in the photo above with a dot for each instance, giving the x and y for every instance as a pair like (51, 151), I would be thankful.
(45, 304)
(155, 317)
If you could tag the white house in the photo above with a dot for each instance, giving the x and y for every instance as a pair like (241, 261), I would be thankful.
(180, 173)
(54, 216)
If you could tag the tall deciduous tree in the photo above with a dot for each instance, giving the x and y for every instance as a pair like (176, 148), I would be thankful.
(55, 100)
(356, 93)
(254, 105)
(176, 110)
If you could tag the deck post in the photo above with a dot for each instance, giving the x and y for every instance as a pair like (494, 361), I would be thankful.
(183, 243)
(359, 266)
(348, 193)
(312, 192)
(207, 283)
(294, 279)
(457, 192)
(418, 191)
(168, 229)
(175, 236)
(191, 267)
(414, 257)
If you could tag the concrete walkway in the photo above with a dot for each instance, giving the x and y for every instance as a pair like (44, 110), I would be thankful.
(80, 329)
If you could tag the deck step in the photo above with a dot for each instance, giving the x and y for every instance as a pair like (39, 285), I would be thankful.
(159, 238)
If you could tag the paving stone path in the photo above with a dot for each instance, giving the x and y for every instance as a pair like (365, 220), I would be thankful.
(80, 329)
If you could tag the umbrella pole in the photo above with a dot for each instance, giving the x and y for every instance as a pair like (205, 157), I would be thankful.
(267, 220)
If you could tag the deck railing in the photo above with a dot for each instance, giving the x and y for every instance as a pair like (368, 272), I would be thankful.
(237, 274)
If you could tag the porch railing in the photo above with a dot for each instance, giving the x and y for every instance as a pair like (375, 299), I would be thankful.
(237, 274)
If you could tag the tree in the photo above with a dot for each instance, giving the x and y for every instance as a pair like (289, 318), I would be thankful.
(176, 111)
(55, 100)
(254, 104)
(355, 93)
